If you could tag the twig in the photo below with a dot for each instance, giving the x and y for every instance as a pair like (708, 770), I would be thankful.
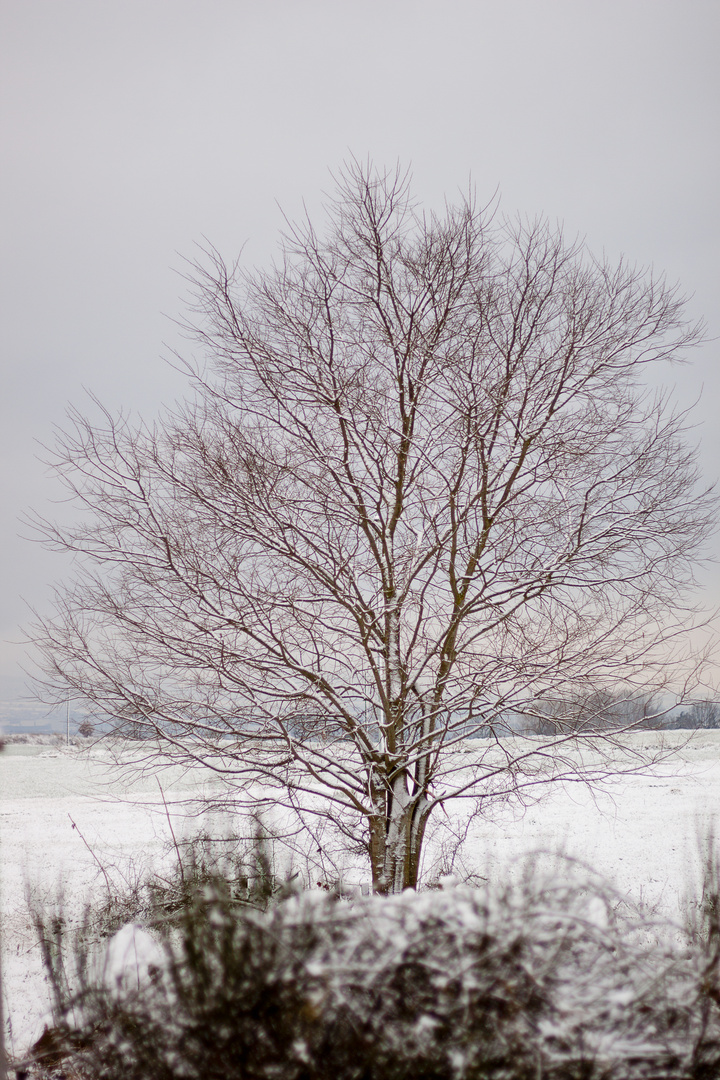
(172, 832)
(102, 868)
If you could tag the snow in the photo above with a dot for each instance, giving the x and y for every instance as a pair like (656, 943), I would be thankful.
(641, 832)
(127, 961)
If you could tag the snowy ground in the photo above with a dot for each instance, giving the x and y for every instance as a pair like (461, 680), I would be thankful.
(642, 833)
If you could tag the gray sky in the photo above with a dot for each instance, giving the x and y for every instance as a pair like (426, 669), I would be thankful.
(132, 130)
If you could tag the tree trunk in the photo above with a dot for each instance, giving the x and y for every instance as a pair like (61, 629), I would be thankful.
(395, 845)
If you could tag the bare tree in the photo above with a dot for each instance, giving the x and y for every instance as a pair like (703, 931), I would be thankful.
(706, 713)
(703, 713)
(609, 708)
(419, 485)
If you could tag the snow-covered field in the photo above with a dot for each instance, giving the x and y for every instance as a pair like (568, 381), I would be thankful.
(641, 832)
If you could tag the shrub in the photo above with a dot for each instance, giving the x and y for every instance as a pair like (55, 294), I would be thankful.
(555, 979)
(134, 894)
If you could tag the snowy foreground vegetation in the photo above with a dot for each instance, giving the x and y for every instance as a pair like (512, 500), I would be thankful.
(560, 971)
(540, 979)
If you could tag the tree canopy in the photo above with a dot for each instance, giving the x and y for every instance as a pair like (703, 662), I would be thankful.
(419, 485)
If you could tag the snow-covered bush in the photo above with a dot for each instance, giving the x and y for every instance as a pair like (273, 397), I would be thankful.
(555, 979)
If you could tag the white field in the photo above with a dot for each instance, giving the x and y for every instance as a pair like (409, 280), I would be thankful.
(641, 832)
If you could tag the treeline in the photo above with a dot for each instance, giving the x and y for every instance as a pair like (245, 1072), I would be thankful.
(610, 710)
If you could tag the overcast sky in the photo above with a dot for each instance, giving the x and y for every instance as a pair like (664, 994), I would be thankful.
(131, 130)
